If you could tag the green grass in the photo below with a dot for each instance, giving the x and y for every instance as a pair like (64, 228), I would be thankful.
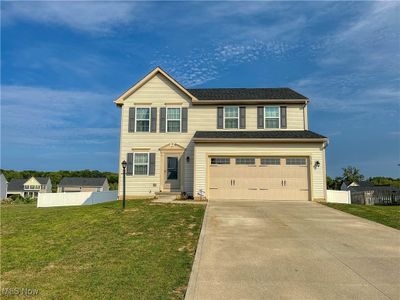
(100, 252)
(386, 215)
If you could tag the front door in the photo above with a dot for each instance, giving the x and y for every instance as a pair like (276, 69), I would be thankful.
(171, 172)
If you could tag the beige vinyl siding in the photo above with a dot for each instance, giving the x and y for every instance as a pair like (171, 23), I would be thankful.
(314, 151)
(157, 92)
(160, 92)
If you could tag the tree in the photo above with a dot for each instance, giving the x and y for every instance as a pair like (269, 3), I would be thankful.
(352, 174)
(333, 183)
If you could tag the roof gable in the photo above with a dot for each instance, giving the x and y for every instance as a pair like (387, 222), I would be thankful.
(120, 100)
(32, 181)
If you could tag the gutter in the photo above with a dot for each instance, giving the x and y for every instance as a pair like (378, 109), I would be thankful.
(259, 140)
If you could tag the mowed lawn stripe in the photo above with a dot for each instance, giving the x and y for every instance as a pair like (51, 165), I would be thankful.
(99, 251)
(386, 215)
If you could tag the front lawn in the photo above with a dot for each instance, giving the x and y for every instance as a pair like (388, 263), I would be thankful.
(100, 252)
(386, 215)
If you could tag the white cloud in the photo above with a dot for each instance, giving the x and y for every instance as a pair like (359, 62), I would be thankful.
(47, 117)
(89, 16)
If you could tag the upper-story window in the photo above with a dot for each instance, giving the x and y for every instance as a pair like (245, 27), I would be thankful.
(173, 120)
(143, 119)
(231, 117)
(271, 116)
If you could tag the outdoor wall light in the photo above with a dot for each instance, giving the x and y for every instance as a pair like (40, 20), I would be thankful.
(317, 164)
(187, 158)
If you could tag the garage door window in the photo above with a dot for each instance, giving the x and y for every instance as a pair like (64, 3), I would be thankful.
(245, 161)
(295, 161)
(220, 161)
(270, 161)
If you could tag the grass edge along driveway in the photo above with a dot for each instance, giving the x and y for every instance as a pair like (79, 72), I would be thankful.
(386, 215)
(100, 252)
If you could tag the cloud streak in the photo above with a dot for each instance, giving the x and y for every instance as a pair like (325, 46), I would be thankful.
(88, 16)
(48, 117)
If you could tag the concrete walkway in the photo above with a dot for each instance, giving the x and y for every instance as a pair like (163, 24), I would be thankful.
(275, 250)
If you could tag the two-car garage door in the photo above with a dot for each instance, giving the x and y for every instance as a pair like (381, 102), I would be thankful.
(259, 178)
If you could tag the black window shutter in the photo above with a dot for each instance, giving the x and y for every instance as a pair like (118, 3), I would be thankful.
(162, 119)
(242, 117)
(153, 119)
(184, 119)
(283, 117)
(129, 165)
(260, 117)
(152, 163)
(220, 117)
(131, 125)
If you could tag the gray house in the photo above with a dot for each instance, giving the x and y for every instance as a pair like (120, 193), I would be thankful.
(82, 184)
(366, 192)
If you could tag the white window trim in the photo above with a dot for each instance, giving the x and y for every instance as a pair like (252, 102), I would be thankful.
(279, 117)
(238, 117)
(136, 119)
(142, 164)
(166, 120)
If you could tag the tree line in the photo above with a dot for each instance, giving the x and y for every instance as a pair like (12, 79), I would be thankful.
(56, 176)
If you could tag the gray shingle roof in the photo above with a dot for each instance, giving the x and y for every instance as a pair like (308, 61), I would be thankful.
(386, 188)
(246, 94)
(82, 181)
(261, 134)
(16, 184)
(42, 180)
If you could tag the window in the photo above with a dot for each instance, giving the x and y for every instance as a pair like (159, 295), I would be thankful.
(296, 161)
(231, 117)
(272, 116)
(270, 161)
(143, 119)
(220, 161)
(173, 120)
(141, 164)
(246, 161)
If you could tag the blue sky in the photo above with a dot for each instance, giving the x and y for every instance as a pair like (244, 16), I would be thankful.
(63, 63)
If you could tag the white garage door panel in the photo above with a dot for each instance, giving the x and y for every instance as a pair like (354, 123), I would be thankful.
(259, 182)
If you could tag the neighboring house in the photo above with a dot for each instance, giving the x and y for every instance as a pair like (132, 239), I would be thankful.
(347, 184)
(29, 187)
(3, 186)
(82, 184)
(232, 143)
(366, 192)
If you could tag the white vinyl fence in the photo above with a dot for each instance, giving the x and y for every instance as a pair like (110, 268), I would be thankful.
(338, 197)
(73, 199)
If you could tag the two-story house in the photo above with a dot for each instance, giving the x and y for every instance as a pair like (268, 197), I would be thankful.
(219, 143)
(29, 187)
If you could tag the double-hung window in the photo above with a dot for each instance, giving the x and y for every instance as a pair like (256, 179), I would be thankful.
(142, 119)
(141, 164)
(231, 117)
(173, 120)
(271, 116)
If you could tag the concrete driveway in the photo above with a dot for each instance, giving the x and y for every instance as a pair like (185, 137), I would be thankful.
(292, 250)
